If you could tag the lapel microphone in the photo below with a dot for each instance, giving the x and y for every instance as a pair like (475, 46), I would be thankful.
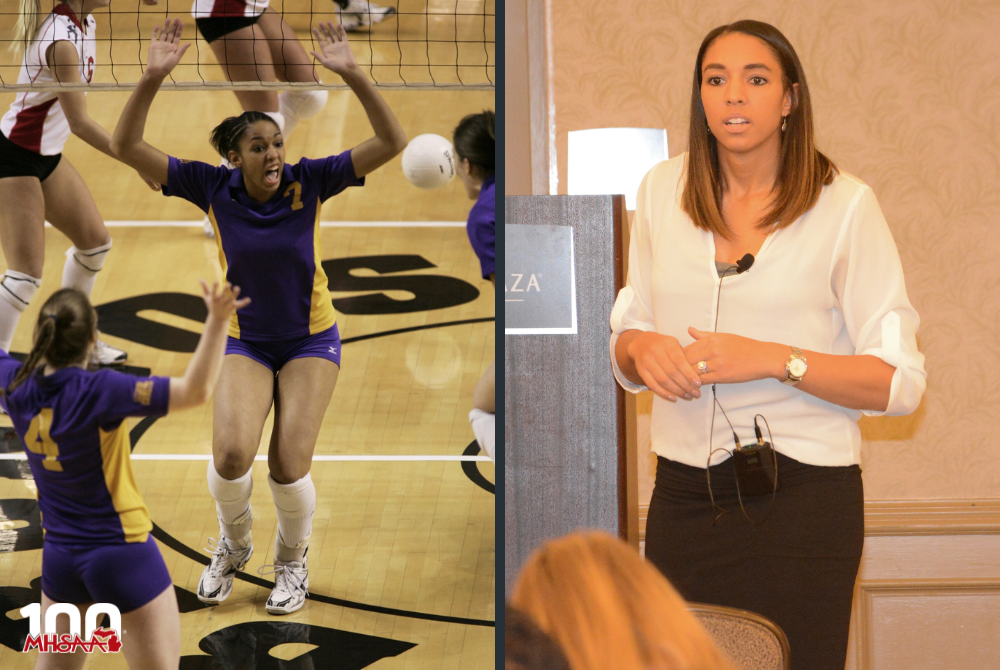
(743, 264)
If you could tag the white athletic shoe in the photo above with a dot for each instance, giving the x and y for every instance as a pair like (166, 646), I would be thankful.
(216, 581)
(365, 13)
(105, 354)
(291, 585)
(206, 225)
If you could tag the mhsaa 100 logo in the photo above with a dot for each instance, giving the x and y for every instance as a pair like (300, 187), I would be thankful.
(66, 643)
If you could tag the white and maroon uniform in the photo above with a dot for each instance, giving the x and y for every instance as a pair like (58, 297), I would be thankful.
(205, 9)
(35, 120)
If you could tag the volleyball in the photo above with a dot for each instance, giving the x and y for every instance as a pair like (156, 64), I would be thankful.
(429, 161)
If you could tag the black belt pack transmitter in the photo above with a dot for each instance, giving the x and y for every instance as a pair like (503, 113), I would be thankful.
(755, 469)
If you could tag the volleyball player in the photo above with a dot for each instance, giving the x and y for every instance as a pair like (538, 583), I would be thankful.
(252, 42)
(36, 183)
(285, 348)
(98, 546)
(475, 146)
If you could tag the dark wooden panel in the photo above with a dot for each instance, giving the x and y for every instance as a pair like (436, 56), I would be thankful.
(565, 457)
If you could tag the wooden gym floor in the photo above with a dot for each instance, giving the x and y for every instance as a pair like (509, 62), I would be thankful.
(403, 551)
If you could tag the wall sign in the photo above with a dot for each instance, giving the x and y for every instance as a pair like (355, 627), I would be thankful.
(539, 282)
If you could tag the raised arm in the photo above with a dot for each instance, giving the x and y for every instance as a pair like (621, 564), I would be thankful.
(165, 51)
(195, 387)
(335, 54)
(65, 67)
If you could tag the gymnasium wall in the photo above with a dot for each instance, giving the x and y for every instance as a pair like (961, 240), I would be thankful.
(906, 97)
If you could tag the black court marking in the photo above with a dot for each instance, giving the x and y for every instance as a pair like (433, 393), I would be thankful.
(471, 469)
(248, 645)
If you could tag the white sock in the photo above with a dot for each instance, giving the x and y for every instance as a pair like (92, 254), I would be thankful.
(16, 290)
(232, 504)
(295, 504)
(484, 427)
(299, 105)
(81, 267)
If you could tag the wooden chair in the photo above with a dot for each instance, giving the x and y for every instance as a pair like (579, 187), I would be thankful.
(750, 640)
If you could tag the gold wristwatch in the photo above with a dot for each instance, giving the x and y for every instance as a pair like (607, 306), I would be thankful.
(795, 367)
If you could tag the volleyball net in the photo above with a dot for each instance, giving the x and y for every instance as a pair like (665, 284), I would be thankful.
(425, 44)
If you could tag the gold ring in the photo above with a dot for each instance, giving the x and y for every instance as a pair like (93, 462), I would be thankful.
(702, 367)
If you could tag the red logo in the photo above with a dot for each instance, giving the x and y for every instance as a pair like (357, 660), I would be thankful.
(90, 68)
(66, 643)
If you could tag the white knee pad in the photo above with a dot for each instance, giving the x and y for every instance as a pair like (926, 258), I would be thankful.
(484, 428)
(18, 289)
(302, 104)
(90, 259)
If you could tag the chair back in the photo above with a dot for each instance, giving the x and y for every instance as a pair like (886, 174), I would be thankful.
(749, 640)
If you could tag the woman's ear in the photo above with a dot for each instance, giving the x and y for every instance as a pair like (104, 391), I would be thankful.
(234, 158)
(791, 100)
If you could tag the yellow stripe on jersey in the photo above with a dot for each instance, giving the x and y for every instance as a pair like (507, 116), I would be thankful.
(234, 321)
(38, 441)
(120, 479)
(322, 316)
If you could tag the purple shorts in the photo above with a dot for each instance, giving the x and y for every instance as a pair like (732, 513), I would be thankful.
(273, 355)
(126, 575)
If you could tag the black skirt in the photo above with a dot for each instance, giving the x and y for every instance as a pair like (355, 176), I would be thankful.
(797, 567)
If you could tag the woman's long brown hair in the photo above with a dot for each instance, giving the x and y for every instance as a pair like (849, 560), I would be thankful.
(802, 170)
(66, 326)
(608, 608)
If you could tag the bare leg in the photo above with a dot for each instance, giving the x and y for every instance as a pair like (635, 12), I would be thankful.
(153, 637)
(305, 386)
(56, 661)
(291, 62)
(242, 401)
(245, 56)
(484, 397)
(71, 209)
(22, 224)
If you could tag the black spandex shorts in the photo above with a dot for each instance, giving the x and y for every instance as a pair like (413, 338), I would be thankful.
(16, 161)
(214, 27)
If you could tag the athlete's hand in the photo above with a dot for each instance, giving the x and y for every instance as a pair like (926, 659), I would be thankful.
(165, 48)
(151, 183)
(222, 301)
(334, 51)
(660, 362)
(730, 359)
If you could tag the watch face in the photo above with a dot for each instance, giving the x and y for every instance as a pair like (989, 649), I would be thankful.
(797, 367)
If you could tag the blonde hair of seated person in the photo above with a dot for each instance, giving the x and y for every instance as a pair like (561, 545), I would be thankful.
(609, 608)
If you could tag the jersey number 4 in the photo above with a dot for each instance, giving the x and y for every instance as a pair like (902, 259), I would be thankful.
(37, 440)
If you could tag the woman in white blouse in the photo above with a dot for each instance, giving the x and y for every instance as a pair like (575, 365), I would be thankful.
(817, 301)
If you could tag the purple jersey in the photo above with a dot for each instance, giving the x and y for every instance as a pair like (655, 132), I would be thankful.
(482, 227)
(270, 250)
(73, 425)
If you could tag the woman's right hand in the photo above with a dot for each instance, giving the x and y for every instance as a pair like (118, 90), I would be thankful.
(660, 362)
(165, 48)
(222, 302)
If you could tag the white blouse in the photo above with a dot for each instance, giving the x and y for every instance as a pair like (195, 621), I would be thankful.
(831, 282)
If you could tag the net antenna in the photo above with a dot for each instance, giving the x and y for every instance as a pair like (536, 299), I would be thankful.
(401, 44)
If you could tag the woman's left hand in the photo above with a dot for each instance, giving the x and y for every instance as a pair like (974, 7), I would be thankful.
(730, 359)
(334, 50)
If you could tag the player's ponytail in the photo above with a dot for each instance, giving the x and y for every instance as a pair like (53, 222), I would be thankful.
(27, 25)
(226, 136)
(66, 327)
(475, 139)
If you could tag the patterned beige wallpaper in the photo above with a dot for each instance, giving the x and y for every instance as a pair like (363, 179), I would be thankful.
(907, 97)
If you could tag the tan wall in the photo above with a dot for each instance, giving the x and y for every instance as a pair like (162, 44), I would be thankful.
(907, 97)
(517, 131)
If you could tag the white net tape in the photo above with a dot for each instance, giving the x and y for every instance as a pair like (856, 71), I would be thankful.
(423, 44)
